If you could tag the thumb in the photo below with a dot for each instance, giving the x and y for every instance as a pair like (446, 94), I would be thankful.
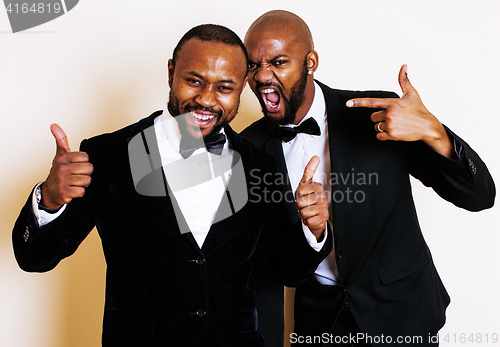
(404, 81)
(310, 169)
(61, 139)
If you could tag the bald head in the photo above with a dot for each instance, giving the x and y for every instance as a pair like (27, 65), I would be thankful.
(283, 22)
(281, 64)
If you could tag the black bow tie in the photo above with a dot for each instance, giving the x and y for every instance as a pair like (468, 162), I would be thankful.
(308, 127)
(188, 145)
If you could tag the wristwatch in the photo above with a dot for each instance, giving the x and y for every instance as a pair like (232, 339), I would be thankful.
(38, 196)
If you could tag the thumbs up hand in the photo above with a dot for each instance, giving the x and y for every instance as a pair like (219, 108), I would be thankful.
(312, 201)
(69, 174)
(406, 118)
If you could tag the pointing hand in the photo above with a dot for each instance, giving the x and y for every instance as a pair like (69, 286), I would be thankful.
(406, 118)
(312, 201)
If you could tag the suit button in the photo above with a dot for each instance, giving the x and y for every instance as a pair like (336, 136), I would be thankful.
(201, 313)
(200, 261)
(339, 255)
(346, 306)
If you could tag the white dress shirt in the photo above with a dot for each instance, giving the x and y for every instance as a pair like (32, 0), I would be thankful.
(297, 153)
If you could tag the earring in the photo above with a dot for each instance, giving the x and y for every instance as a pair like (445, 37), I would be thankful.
(309, 72)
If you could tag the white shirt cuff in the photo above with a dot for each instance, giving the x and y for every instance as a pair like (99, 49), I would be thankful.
(311, 239)
(43, 217)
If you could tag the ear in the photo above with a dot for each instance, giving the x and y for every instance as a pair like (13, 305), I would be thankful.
(170, 72)
(312, 61)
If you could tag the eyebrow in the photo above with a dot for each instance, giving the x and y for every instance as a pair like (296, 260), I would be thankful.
(279, 56)
(194, 73)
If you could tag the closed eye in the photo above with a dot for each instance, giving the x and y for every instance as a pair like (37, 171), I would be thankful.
(225, 89)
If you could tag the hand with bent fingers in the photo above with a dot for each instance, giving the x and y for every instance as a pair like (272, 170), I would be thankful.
(69, 174)
(406, 118)
(312, 201)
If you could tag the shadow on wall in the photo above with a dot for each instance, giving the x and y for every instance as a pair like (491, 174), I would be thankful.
(71, 296)
(83, 274)
(82, 302)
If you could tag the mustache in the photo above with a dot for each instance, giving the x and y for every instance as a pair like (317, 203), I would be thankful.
(194, 108)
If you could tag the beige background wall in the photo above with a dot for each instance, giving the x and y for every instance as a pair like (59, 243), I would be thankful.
(103, 66)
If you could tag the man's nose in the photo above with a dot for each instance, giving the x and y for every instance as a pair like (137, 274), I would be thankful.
(206, 97)
(263, 74)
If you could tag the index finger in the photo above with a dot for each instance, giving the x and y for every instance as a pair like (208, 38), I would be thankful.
(370, 102)
(310, 169)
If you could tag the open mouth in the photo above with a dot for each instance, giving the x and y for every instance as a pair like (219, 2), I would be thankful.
(271, 98)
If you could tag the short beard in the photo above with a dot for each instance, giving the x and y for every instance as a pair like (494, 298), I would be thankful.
(292, 104)
(174, 109)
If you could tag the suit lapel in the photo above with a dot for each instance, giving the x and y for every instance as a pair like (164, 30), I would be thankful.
(338, 142)
(273, 145)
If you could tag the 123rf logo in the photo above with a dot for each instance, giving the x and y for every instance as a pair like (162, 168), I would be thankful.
(26, 14)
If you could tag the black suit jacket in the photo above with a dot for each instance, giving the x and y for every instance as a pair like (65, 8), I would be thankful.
(384, 263)
(161, 288)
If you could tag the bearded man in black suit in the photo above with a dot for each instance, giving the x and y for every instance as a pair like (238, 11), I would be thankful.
(380, 279)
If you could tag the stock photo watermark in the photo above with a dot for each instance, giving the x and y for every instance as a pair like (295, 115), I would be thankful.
(27, 14)
(340, 187)
(461, 338)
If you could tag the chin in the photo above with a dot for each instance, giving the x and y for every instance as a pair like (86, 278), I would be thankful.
(275, 118)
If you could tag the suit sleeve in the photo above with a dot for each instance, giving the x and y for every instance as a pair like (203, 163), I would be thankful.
(41, 248)
(465, 182)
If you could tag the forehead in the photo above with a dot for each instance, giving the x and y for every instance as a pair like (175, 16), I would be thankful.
(268, 44)
(211, 58)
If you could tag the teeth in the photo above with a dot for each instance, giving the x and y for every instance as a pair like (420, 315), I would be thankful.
(202, 117)
(271, 104)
